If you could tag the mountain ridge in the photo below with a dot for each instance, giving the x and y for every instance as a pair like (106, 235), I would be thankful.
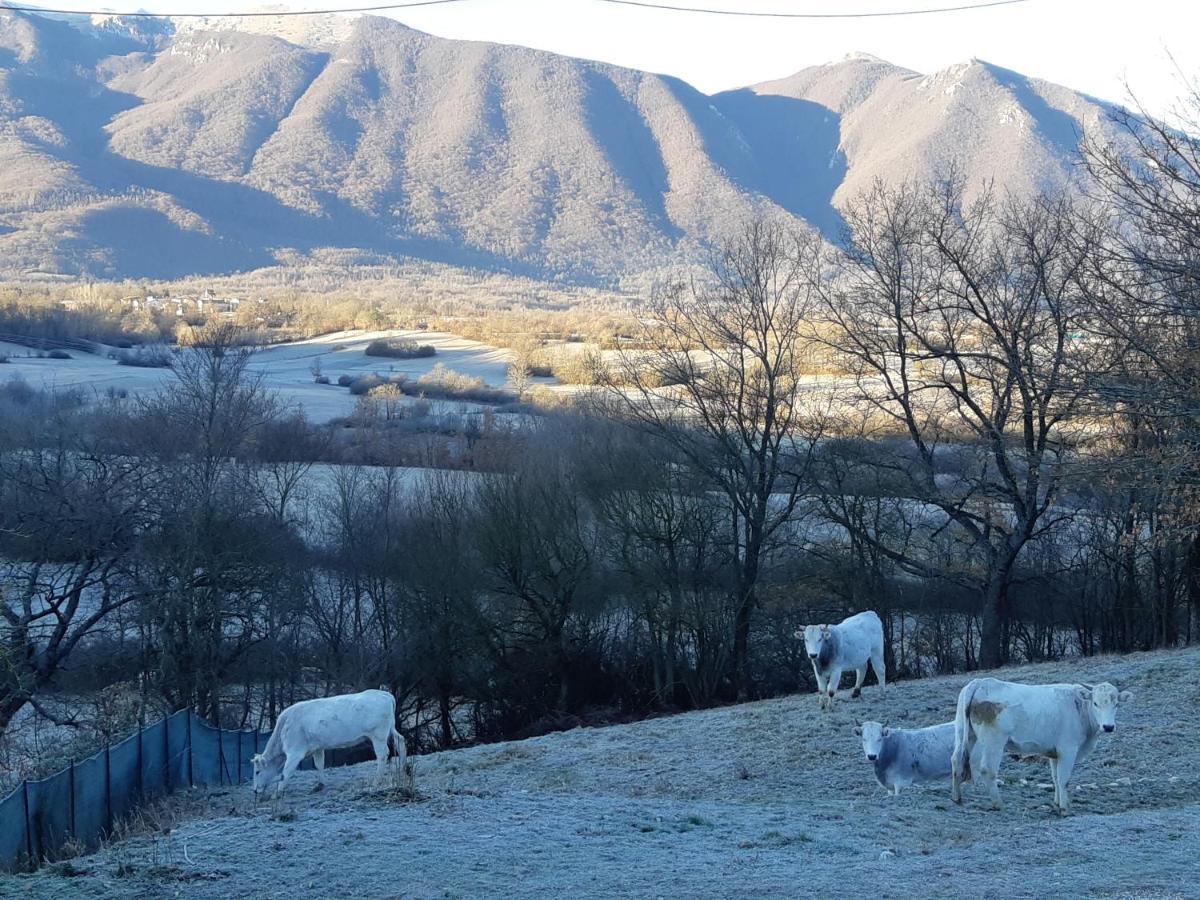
(157, 152)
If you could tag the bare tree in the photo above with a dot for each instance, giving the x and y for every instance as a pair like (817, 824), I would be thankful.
(718, 380)
(963, 327)
(69, 524)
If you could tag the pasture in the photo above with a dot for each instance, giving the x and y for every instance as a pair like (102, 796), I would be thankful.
(768, 799)
(284, 368)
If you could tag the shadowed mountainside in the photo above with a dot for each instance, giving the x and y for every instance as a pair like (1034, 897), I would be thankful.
(137, 151)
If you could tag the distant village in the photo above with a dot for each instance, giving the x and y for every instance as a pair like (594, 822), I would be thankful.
(207, 301)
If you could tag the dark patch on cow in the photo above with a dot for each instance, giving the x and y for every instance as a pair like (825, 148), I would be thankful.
(985, 712)
(825, 654)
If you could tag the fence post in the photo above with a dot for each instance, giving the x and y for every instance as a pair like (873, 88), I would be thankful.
(108, 789)
(239, 753)
(166, 723)
(140, 779)
(71, 779)
(191, 783)
(28, 829)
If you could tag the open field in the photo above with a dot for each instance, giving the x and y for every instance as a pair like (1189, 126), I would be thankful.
(769, 799)
(286, 368)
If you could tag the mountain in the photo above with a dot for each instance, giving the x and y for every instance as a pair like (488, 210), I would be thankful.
(136, 149)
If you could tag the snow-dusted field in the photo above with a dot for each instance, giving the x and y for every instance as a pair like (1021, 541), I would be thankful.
(770, 799)
(286, 368)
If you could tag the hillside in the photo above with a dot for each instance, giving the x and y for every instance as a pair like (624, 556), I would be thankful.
(138, 151)
(769, 799)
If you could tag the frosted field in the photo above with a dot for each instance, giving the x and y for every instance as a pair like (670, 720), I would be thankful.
(770, 799)
(285, 368)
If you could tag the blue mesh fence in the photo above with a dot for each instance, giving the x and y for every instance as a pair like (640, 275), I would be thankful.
(81, 805)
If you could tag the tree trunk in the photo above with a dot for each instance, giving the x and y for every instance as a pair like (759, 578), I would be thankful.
(741, 645)
(9, 707)
(991, 638)
(444, 716)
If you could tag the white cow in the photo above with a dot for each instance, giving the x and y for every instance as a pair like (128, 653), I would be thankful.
(1056, 722)
(903, 757)
(849, 645)
(311, 727)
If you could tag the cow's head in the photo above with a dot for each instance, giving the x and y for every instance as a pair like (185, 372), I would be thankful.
(1101, 702)
(265, 773)
(872, 734)
(813, 636)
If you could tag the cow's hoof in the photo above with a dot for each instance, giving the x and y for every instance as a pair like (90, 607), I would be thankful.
(857, 693)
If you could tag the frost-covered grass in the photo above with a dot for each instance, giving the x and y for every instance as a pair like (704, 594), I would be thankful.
(769, 799)
(285, 368)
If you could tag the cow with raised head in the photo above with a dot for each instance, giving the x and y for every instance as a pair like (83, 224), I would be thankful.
(311, 727)
(902, 757)
(849, 645)
(1056, 722)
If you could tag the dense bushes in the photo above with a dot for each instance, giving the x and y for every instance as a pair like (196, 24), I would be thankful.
(156, 357)
(439, 383)
(400, 349)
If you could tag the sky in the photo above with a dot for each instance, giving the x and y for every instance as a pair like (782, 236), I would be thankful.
(1100, 47)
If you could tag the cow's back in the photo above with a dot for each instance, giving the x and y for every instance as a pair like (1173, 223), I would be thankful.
(858, 637)
(330, 723)
(1033, 718)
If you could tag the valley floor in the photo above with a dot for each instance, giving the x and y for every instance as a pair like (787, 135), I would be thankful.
(770, 799)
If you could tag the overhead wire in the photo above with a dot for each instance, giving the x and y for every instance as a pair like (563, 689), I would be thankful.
(874, 14)
(234, 15)
(641, 4)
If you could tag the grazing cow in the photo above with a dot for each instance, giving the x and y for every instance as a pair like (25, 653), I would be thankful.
(850, 645)
(1056, 722)
(311, 727)
(903, 757)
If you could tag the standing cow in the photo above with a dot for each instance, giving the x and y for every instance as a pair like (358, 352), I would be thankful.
(902, 757)
(850, 645)
(311, 727)
(1057, 722)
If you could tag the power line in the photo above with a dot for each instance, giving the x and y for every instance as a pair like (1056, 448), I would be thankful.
(237, 15)
(644, 4)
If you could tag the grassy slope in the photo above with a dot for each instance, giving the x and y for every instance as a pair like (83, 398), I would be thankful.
(766, 799)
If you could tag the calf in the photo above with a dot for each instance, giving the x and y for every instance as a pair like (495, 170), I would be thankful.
(851, 644)
(311, 727)
(1056, 722)
(903, 757)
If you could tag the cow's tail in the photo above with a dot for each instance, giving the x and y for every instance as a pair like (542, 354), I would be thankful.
(960, 758)
(396, 742)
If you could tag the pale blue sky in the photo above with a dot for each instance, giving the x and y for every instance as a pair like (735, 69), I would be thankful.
(1090, 45)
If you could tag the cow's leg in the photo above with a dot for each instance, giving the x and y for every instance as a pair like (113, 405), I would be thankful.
(820, 686)
(835, 679)
(990, 755)
(1062, 771)
(860, 677)
(381, 757)
(880, 670)
(289, 766)
(318, 758)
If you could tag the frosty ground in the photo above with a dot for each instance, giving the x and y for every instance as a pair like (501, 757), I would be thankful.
(769, 799)
(285, 368)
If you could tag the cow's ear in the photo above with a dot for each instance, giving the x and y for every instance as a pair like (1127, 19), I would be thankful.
(1084, 694)
(858, 730)
(1125, 697)
(886, 731)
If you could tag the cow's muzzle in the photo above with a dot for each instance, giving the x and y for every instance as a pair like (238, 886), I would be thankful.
(1110, 728)
(812, 656)
(872, 757)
